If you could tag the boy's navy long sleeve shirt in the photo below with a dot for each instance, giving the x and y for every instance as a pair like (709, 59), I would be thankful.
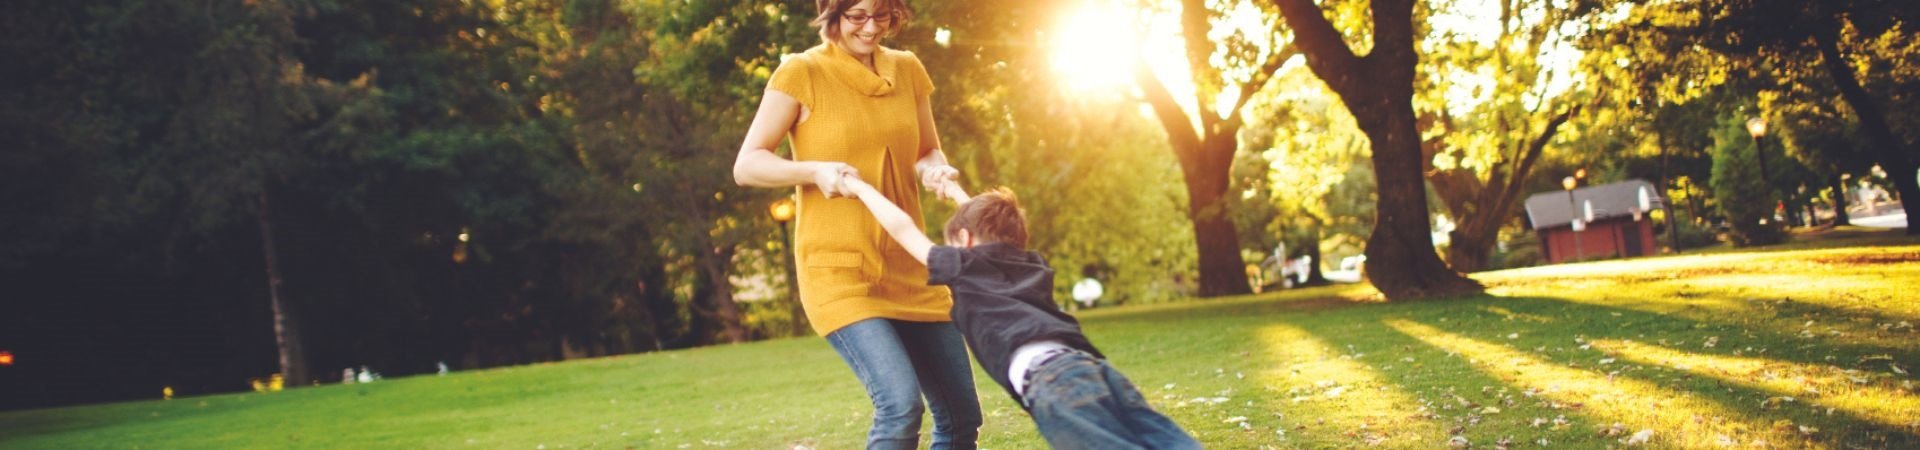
(1002, 299)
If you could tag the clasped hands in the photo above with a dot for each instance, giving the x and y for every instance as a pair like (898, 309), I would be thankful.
(942, 179)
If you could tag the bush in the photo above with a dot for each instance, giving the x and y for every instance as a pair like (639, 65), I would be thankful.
(1521, 249)
(1695, 235)
(1522, 256)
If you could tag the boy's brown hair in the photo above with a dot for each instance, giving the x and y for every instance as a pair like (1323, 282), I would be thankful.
(831, 10)
(992, 216)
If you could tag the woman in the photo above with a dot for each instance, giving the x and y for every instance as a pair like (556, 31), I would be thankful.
(855, 108)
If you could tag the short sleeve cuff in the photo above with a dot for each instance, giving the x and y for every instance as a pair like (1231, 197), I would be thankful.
(791, 78)
(943, 265)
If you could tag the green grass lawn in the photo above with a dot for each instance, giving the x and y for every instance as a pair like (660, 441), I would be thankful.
(1800, 346)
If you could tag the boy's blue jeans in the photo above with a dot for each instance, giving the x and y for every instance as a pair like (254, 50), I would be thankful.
(1080, 402)
(899, 362)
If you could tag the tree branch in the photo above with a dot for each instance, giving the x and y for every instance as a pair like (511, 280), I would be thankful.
(1511, 186)
(1180, 132)
(1327, 52)
(1260, 80)
(1193, 30)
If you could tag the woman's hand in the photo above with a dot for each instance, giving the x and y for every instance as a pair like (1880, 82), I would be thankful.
(827, 176)
(937, 177)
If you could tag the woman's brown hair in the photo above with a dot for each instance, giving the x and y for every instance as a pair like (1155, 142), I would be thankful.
(830, 10)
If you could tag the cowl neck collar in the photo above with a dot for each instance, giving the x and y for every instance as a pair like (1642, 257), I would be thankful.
(844, 67)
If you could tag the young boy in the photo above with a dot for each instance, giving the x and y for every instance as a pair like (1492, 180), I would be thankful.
(1003, 306)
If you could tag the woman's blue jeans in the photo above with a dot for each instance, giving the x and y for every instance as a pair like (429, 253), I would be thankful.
(899, 362)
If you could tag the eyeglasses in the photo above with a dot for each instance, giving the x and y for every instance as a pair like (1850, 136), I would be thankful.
(885, 19)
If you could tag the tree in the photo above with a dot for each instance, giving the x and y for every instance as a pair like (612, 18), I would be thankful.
(644, 148)
(1206, 151)
(1826, 139)
(225, 116)
(1378, 91)
(1742, 192)
(1479, 156)
(1313, 172)
(1836, 34)
(1075, 156)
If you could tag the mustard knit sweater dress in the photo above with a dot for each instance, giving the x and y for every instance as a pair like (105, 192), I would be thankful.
(849, 269)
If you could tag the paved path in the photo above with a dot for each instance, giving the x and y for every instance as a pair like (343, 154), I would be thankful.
(1895, 220)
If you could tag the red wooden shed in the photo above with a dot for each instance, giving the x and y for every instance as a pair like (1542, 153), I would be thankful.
(1595, 222)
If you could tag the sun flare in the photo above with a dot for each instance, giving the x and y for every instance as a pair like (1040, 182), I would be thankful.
(1096, 47)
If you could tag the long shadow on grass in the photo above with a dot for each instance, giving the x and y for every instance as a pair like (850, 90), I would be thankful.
(1399, 372)
(1749, 305)
(1515, 355)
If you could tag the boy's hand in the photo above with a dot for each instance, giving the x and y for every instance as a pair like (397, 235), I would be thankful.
(951, 191)
(828, 177)
(850, 185)
(935, 177)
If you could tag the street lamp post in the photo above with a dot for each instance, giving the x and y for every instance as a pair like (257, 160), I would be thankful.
(1757, 127)
(782, 212)
(1573, 213)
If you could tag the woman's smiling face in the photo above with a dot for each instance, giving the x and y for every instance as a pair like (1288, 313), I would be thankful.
(861, 28)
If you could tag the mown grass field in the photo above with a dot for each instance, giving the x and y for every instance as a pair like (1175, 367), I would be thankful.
(1807, 345)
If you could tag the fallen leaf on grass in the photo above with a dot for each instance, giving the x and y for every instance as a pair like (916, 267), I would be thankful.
(1615, 430)
(1640, 438)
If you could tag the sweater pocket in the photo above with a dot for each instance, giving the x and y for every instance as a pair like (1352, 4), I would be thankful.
(834, 276)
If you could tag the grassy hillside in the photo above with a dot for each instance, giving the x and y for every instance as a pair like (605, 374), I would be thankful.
(1807, 345)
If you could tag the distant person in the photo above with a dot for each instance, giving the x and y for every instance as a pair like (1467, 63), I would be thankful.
(1003, 304)
(1088, 291)
(1869, 198)
(855, 107)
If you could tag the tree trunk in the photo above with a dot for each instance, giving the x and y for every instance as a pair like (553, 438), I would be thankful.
(1205, 163)
(720, 294)
(1892, 155)
(1378, 90)
(1315, 276)
(1839, 196)
(293, 361)
(1909, 189)
(700, 320)
(1468, 252)
(663, 313)
(1222, 272)
(1401, 261)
